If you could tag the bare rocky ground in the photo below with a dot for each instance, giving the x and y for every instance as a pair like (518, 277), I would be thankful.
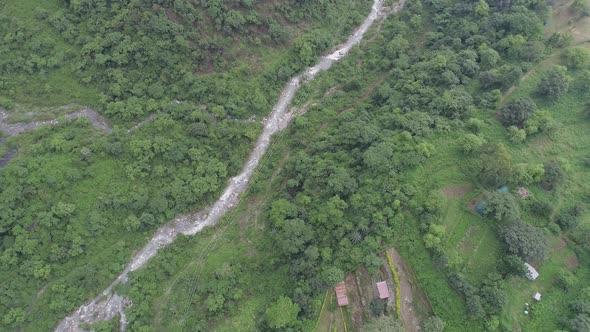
(13, 129)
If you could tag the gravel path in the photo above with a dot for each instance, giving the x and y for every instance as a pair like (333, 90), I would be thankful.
(13, 129)
(108, 305)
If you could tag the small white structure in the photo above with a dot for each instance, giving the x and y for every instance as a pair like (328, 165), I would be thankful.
(537, 296)
(532, 274)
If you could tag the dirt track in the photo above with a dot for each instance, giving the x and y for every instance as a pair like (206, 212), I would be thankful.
(408, 312)
(12, 129)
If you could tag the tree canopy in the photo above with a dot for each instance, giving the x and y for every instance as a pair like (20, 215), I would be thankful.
(524, 240)
(517, 112)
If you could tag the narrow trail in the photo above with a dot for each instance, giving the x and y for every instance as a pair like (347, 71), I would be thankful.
(108, 305)
(13, 129)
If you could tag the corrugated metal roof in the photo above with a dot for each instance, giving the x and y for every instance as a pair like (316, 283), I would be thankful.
(383, 290)
(341, 297)
(532, 274)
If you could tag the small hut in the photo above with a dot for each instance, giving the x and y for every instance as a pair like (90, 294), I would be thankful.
(537, 296)
(341, 297)
(383, 290)
(523, 192)
(532, 274)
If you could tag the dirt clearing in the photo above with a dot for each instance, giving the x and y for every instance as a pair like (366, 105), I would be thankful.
(457, 191)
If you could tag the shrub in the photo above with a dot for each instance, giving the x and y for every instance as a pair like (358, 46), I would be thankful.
(581, 7)
(6, 103)
(561, 39)
(566, 279)
(577, 57)
(541, 208)
(398, 298)
(583, 82)
(377, 307)
(433, 324)
(540, 122)
(470, 143)
(516, 135)
(568, 219)
(554, 228)
(474, 125)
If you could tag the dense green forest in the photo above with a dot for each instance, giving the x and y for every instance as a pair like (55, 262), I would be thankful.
(75, 203)
(420, 139)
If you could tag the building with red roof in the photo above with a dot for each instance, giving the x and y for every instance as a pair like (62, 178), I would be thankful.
(341, 297)
(383, 290)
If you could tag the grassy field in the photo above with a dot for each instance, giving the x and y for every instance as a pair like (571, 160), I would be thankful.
(473, 238)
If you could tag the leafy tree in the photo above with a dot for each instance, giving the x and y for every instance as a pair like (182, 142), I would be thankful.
(283, 313)
(553, 175)
(568, 219)
(524, 240)
(332, 275)
(512, 264)
(554, 83)
(541, 208)
(433, 324)
(517, 112)
(502, 206)
(488, 57)
(495, 165)
(455, 104)
(281, 209)
(132, 223)
(475, 308)
(493, 298)
(294, 236)
(482, 9)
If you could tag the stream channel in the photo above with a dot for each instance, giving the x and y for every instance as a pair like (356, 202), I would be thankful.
(108, 304)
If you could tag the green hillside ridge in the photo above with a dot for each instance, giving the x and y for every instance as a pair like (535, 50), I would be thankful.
(71, 220)
(400, 144)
